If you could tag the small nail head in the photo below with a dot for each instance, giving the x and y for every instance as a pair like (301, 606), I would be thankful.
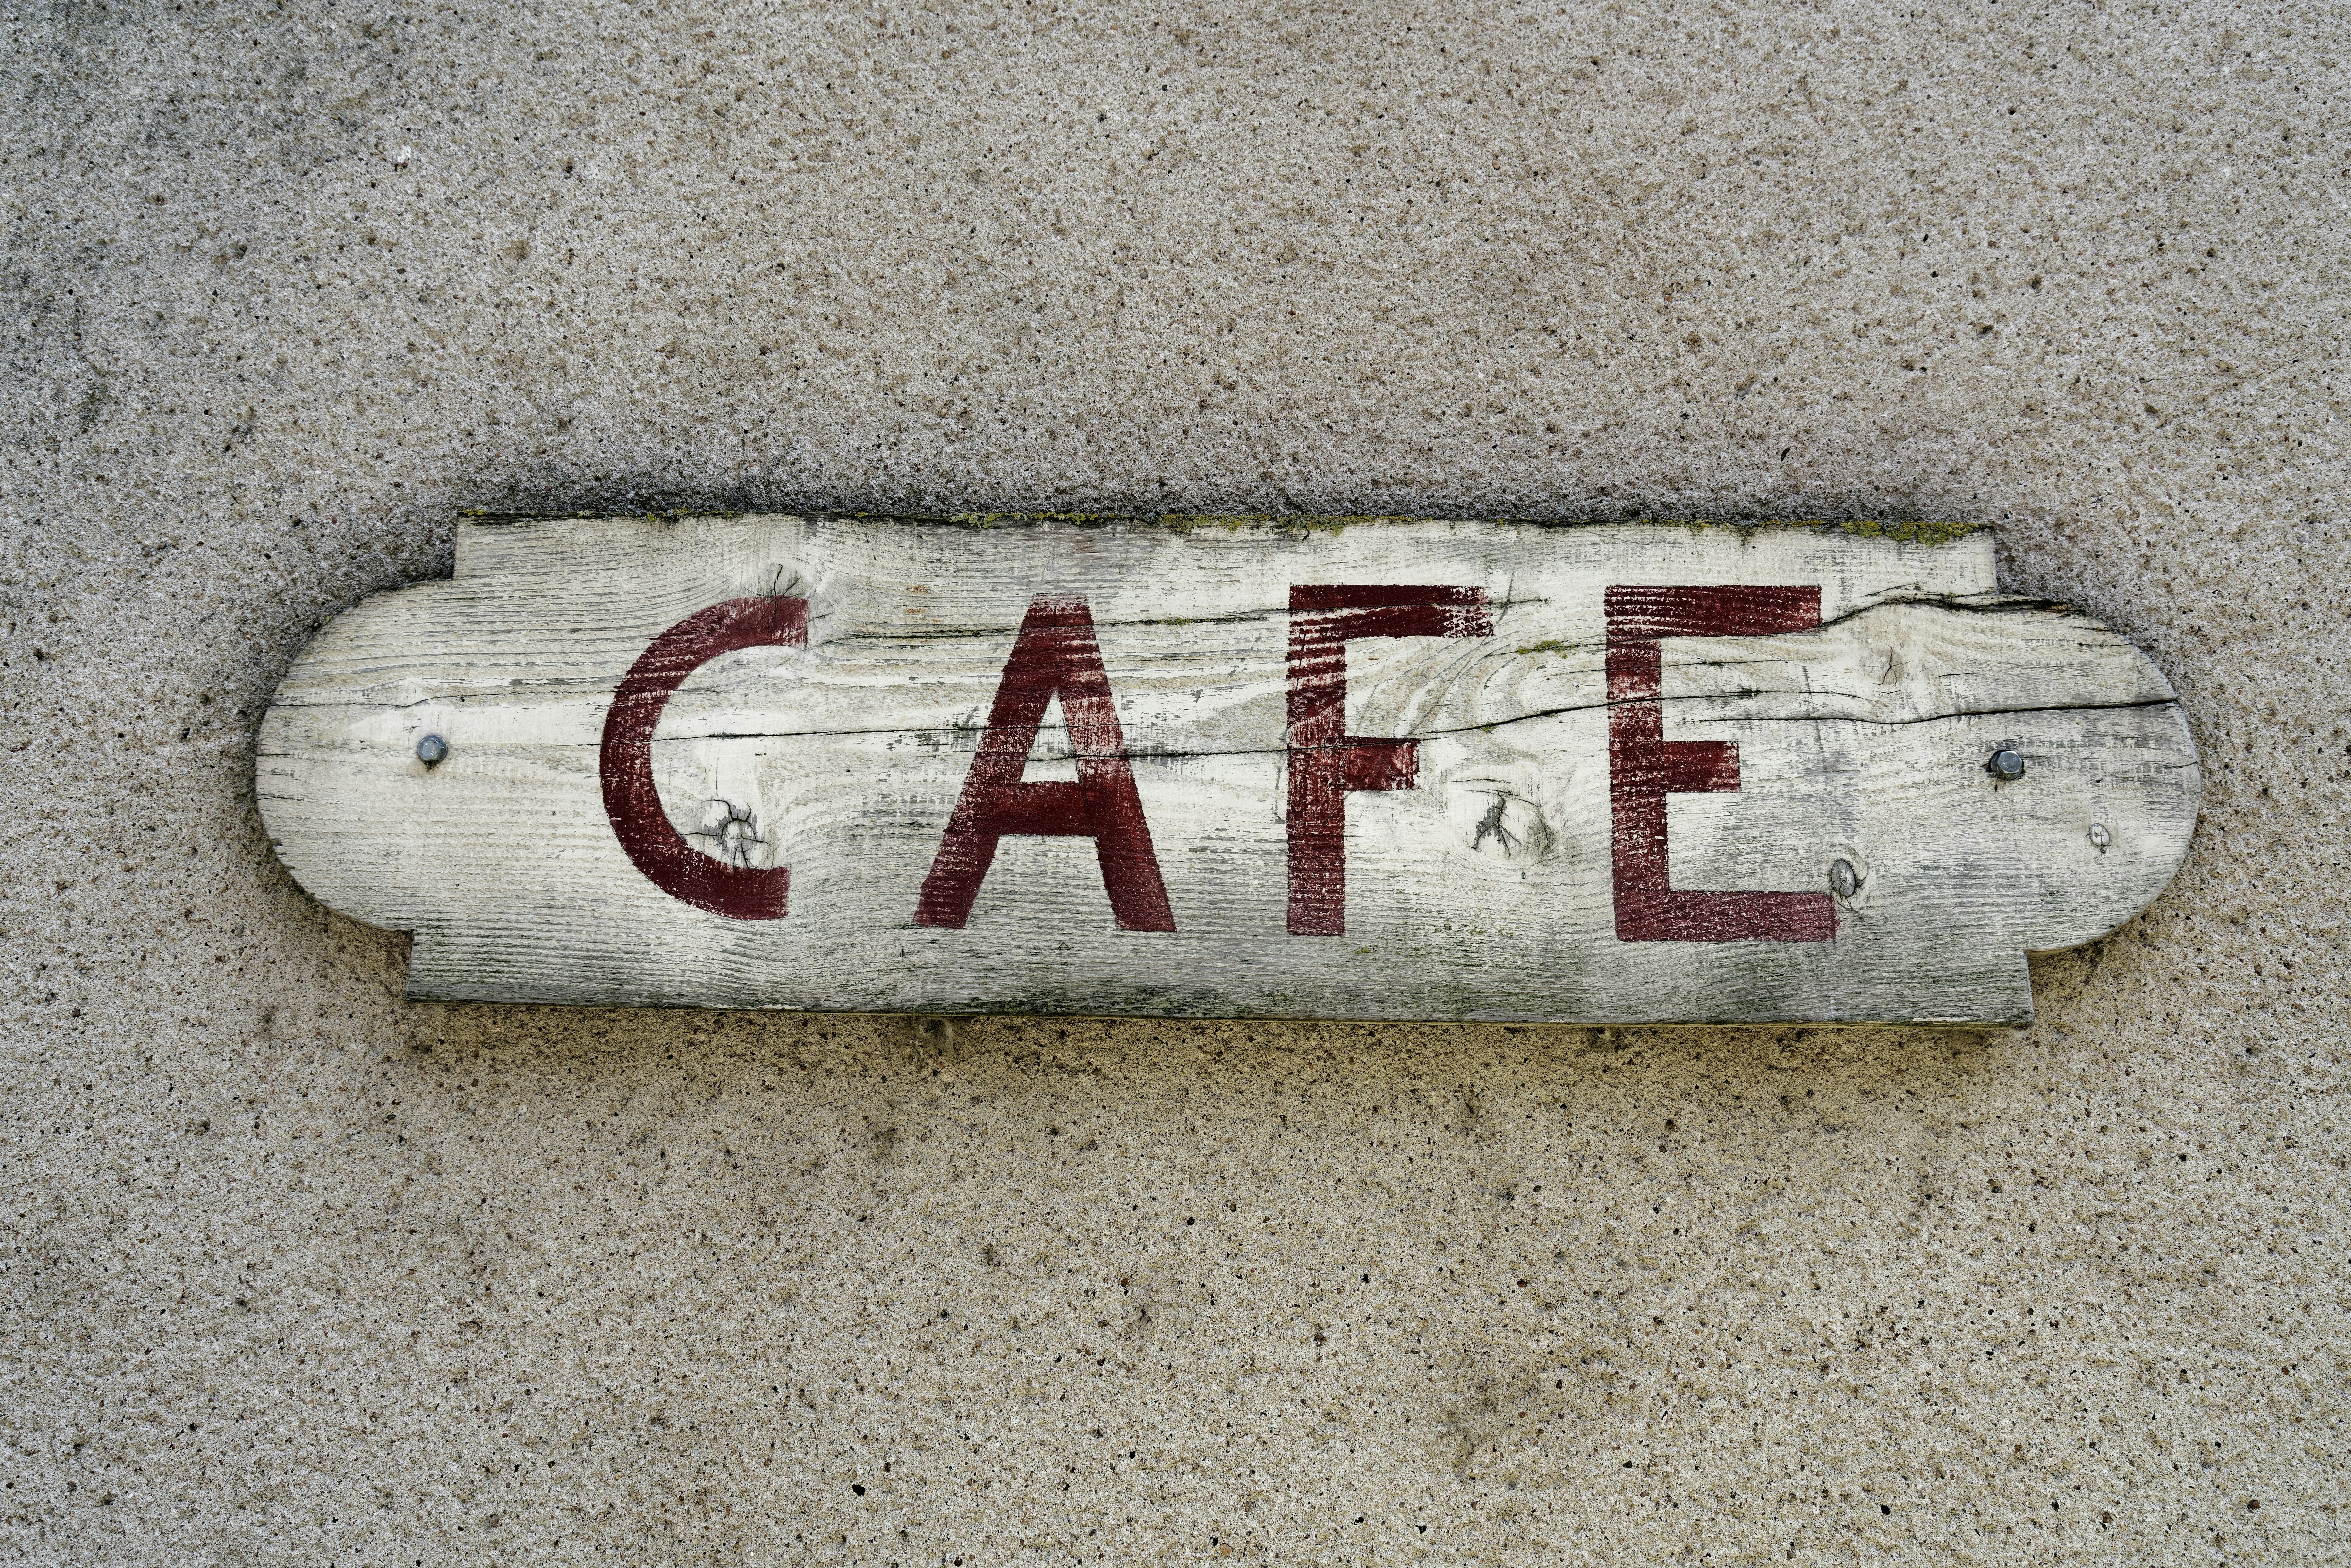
(431, 749)
(1843, 880)
(2099, 836)
(2008, 764)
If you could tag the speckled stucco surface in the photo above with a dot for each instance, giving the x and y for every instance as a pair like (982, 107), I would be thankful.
(294, 1272)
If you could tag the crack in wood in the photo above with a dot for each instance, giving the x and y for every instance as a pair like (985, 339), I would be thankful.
(1477, 886)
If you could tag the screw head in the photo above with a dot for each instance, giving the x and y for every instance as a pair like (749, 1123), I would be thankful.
(1843, 880)
(2099, 836)
(2008, 765)
(431, 749)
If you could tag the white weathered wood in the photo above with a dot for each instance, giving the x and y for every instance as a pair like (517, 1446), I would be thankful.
(1485, 892)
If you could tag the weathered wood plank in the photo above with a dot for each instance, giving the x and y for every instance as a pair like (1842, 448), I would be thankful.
(1655, 772)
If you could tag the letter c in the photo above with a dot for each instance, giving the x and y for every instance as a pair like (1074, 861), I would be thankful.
(631, 799)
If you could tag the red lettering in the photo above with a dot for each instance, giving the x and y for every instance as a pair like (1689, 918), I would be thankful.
(626, 763)
(1326, 762)
(1055, 655)
(1643, 766)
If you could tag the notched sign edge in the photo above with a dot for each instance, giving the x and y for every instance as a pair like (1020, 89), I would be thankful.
(295, 834)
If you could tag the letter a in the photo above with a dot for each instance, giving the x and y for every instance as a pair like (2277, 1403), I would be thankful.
(1055, 655)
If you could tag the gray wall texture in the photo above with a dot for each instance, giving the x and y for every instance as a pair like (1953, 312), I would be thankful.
(296, 1271)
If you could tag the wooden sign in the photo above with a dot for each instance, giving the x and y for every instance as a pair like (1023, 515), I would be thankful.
(1344, 768)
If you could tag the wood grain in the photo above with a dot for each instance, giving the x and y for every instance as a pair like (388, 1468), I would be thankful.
(1484, 890)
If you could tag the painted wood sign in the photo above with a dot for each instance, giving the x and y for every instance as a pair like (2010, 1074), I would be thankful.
(1227, 768)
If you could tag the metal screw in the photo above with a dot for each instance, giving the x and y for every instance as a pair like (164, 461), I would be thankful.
(431, 749)
(1843, 880)
(2007, 766)
(2099, 836)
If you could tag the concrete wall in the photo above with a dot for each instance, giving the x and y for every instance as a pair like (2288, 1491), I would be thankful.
(295, 1271)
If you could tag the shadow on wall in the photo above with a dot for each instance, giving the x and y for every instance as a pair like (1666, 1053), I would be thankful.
(681, 490)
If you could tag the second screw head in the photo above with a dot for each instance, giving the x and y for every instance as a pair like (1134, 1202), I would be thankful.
(431, 749)
(2008, 765)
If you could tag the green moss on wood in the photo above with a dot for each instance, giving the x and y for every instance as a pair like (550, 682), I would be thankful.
(1906, 533)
